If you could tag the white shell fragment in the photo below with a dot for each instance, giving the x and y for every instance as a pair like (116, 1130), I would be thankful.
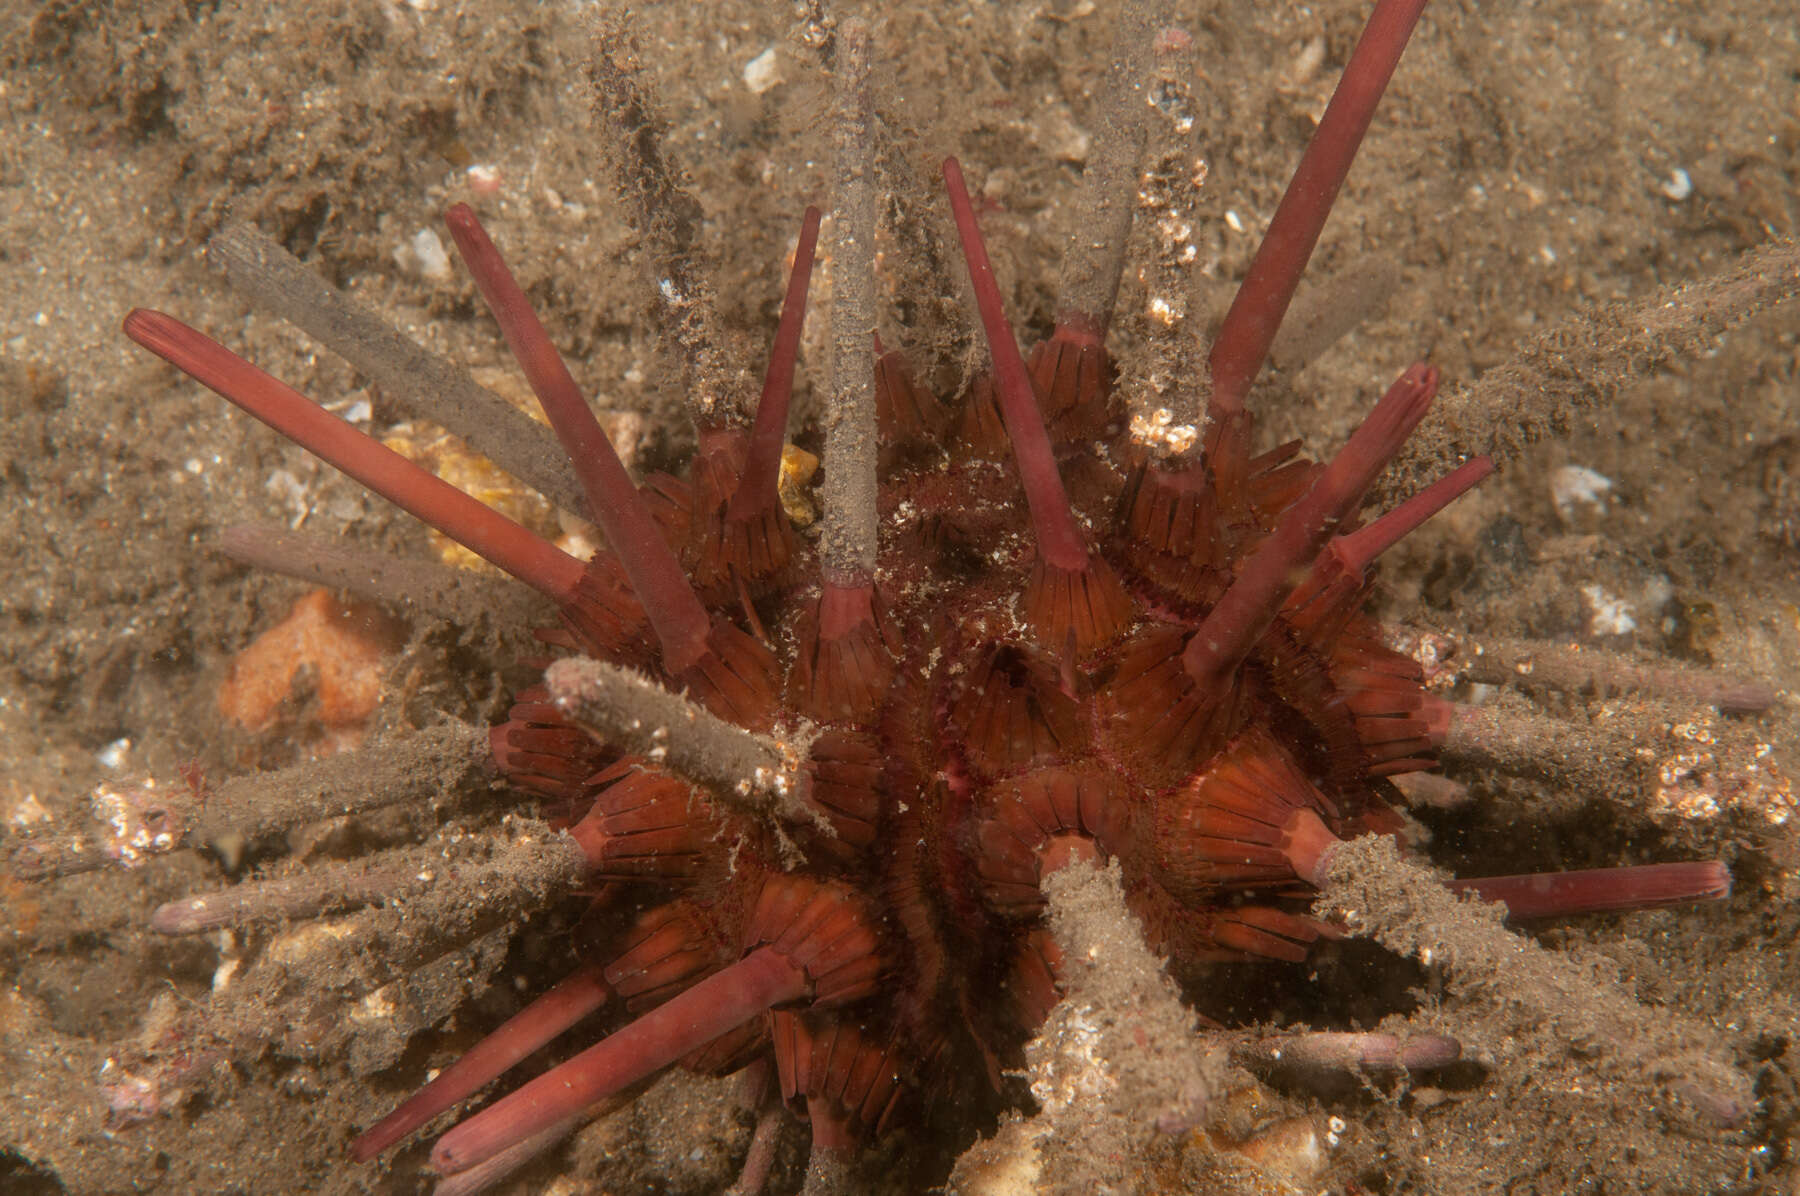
(1611, 615)
(424, 255)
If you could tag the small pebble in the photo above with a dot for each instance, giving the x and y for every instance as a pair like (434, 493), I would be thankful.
(433, 261)
(114, 754)
(1304, 66)
(484, 180)
(762, 72)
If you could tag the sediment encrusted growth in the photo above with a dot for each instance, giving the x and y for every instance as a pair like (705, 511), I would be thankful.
(407, 767)
(1163, 383)
(1093, 261)
(1584, 364)
(847, 542)
(669, 221)
(408, 587)
(417, 381)
(1642, 1051)
(1117, 1063)
(757, 773)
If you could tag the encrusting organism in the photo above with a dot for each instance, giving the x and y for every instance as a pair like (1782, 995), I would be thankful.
(819, 785)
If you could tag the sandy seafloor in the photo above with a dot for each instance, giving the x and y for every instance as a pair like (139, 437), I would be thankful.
(1533, 161)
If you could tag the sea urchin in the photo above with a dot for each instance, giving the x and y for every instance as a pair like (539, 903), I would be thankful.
(822, 783)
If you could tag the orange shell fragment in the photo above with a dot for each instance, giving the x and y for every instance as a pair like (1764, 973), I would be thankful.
(344, 645)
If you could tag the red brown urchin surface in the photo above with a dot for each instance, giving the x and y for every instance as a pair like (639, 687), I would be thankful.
(1043, 638)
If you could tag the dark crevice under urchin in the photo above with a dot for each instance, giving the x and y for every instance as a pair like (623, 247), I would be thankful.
(819, 835)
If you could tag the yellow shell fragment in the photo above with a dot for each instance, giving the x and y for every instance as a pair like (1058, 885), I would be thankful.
(455, 462)
(797, 469)
(452, 460)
